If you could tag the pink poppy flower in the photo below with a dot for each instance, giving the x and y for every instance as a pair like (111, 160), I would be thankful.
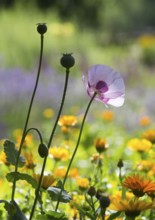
(107, 83)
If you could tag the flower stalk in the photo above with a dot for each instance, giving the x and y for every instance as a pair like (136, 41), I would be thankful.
(28, 114)
(76, 148)
(49, 144)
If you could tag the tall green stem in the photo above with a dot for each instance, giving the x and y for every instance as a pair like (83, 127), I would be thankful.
(75, 150)
(49, 144)
(28, 116)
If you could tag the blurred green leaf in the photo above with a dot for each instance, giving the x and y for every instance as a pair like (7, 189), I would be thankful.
(14, 212)
(21, 176)
(51, 215)
(11, 154)
(54, 193)
(114, 215)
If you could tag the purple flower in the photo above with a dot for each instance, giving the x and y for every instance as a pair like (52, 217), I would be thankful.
(107, 83)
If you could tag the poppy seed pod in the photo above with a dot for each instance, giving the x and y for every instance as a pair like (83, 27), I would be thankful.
(43, 150)
(67, 60)
(41, 28)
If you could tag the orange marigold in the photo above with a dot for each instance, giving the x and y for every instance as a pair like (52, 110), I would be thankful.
(139, 185)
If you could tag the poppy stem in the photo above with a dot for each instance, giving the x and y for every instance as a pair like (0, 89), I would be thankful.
(75, 150)
(49, 144)
(28, 116)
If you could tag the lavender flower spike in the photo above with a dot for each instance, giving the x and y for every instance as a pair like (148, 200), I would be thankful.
(108, 84)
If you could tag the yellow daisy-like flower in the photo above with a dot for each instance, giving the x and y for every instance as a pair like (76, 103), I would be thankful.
(83, 183)
(141, 145)
(48, 113)
(29, 160)
(108, 115)
(132, 208)
(139, 185)
(67, 121)
(59, 153)
(47, 180)
(3, 158)
(149, 135)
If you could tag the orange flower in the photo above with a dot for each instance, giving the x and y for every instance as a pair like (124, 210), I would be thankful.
(108, 115)
(144, 120)
(74, 173)
(139, 185)
(100, 145)
(47, 180)
(60, 172)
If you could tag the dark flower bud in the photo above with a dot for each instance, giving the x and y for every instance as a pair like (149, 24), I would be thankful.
(120, 163)
(41, 28)
(43, 150)
(104, 201)
(91, 191)
(67, 60)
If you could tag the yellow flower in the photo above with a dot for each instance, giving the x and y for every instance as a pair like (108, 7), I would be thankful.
(48, 113)
(67, 121)
(17, 133)
(145, 120)
(3, 158)
(108, 115)
(59, 153)
(139, 185)
(47, 180)
(30, 161)
(146, 40)
(149, 135)
(140, 145)
(60, 172)
(100, 145)
(132, 208)
(83, 183)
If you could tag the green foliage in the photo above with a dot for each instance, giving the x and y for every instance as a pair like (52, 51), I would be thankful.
(14, 211)
(21, 176)
(51, 215)
(54, 193)
(11, 154)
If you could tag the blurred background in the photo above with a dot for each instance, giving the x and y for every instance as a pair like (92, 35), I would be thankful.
(118, 33)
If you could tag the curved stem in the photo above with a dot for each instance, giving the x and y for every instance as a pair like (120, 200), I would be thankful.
(75, 150)
(38, 132)
(28, 116)
(49, 144)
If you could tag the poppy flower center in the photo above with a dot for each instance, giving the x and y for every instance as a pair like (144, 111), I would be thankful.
(101, 86)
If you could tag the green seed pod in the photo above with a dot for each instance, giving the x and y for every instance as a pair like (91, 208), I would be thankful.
(41, 28)
(43, 150)
(67, 60)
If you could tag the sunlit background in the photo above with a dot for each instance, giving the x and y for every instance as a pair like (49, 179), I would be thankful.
(118, 33)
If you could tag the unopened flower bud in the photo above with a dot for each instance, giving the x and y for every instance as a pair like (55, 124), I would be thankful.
(104, 201)
(41, 28)
(43, 150)
(91, 191)
(67, 60)
(120, 163)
